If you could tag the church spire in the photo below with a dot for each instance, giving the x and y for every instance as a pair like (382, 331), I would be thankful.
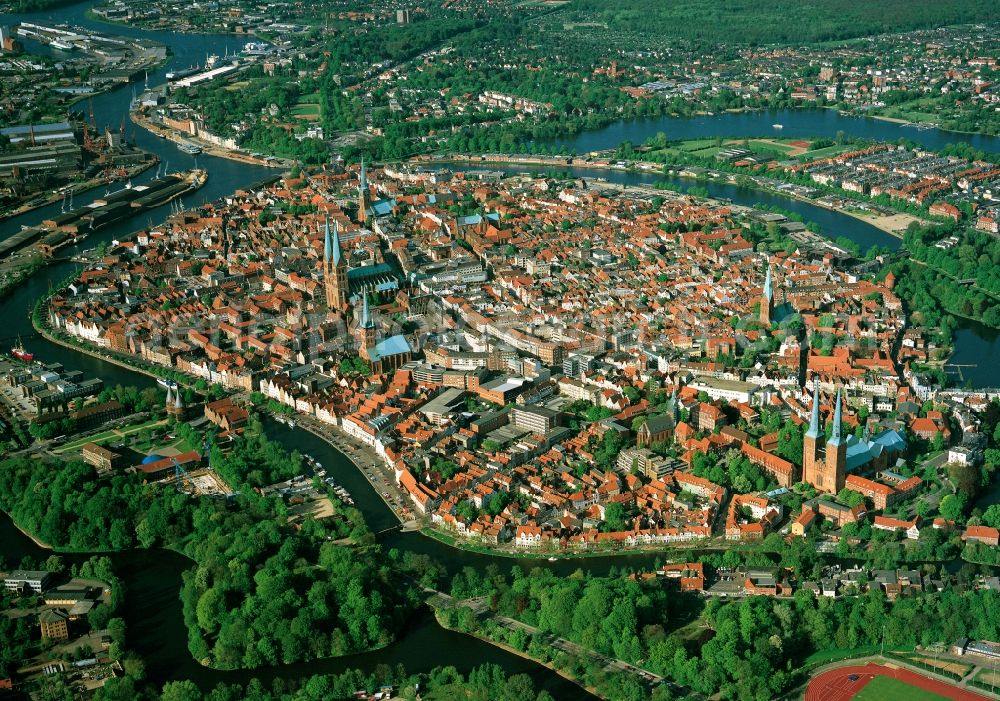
(336, 243)
(813, 431)
(363, 193)
(327, 242)
(366, 319)
(835, 437)
(767, 298)
(334, 268)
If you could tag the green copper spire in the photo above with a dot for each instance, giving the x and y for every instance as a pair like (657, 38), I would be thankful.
(813, 431)
(836, 437)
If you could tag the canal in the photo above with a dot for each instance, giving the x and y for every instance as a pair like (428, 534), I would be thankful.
(153, 577)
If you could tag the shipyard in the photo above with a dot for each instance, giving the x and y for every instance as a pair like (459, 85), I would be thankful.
(74, 225)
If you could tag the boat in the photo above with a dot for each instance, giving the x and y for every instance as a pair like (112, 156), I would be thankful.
(255, 48)
(165, 382)
(61, 45)
(189, 148)
(20, 353)
(777, 126)
(182, 73)
(552, 559)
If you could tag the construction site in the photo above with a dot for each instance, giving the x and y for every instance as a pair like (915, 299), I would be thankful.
(202, 482)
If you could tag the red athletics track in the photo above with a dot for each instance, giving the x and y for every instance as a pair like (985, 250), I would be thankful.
(835, 685)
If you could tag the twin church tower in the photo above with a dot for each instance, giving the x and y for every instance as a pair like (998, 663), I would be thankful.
(334, 263)
(824, 461)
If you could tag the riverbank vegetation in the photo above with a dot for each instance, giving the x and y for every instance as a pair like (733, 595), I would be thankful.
(487, 682)
(262, 591)
(750, 649)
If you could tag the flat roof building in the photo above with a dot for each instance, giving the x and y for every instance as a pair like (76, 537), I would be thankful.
(19, 580)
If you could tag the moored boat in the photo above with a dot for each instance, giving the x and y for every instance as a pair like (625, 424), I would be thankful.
(20, 353)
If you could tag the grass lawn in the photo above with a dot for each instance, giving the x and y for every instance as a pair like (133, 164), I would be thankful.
(106, 436)
(306, 110)
(918, 116)
(693, 144)
(988, 676)
(924, 109)
(182, 446)
(757, 145)
(889, 689)
(826, 152)
(77, 444)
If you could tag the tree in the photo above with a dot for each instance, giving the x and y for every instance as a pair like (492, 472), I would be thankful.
(517, 688)
(991, 517)
(184, 690)
(951, 507)
(614, 517)
(850, 497)
(790, 443)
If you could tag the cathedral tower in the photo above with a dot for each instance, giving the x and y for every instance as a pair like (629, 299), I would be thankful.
(363, 193)
(334, 269)
(767, 299)
(366, 329)
(824, 462)
(836, 451)
(812, 459)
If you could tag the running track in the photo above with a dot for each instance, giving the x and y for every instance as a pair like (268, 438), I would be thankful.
(835, 686)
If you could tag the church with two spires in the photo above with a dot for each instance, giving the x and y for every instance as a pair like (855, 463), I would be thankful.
(382, 355)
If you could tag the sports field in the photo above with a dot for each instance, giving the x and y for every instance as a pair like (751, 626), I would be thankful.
(889, 689)
(889, 682)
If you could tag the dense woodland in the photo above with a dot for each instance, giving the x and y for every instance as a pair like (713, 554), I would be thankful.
(772, 21)
(261, 593)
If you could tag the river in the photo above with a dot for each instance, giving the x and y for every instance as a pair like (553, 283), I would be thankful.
(806, 124)
(153, 577)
